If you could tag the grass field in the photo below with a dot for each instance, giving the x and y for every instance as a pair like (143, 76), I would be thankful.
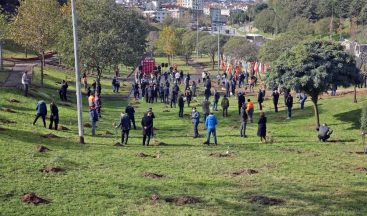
(312, 178)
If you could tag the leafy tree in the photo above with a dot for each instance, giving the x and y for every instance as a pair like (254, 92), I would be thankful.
(108, 35)
(313, 67)
(3, 34)
(275, 48)
(209, 45)
(322, 27)
(188, 43)
(362, 18)
(168, 42)
(301, 26)
(363, 121)
(34, 27)
(241, 48)
(265, 21)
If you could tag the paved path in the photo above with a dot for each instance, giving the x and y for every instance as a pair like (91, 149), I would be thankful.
(14, 79)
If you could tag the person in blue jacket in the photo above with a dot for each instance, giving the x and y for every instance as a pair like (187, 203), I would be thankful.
(211, 124)
(41, 112)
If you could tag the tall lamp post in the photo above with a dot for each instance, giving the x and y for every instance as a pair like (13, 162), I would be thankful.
(77, 75)
(218, 47)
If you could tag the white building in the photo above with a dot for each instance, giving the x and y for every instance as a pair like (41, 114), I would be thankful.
(191, 4)
(158, 15)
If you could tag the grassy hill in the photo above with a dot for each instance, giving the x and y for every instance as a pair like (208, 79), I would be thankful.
(310, 177)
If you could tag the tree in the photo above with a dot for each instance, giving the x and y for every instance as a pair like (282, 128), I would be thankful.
(301, 25)
(265, 21)
(241, 48)
(209, 45)
(34, 27)
(168, 42)
(108, 35)
(275, 48)
(313, 67)
(3, 33)
(363, 122)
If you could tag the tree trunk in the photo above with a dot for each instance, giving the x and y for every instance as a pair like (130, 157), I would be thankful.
(316, 109)
(42, 59)
(169, 59)
(355, 94)
(1, 56)
(26, 53)
(213, 62)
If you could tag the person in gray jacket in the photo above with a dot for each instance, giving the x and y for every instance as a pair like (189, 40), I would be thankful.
(324, 132)
(125, 125)
(195, 117)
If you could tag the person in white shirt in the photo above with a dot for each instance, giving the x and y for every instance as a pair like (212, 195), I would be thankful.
(25, 83)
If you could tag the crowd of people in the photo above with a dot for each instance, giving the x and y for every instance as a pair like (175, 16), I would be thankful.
(165, 88)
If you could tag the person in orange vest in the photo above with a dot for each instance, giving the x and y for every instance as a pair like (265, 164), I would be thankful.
(91, 101)
(250, 110)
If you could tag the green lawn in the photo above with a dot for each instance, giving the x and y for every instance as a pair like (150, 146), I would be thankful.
(312, 178)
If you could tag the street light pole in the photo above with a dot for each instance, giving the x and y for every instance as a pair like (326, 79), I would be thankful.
(218, 48)
(197, 30)
(77, 75)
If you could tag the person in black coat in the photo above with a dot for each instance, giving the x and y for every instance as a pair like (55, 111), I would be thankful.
(181, 104)
(207, 93)
(130, 111)
(125, 125)
(173, 99)
(260, 99)
(289, 104)
(243, 118)
(54, 117)
(275, 96)
(147, 125)
(261, 130)
(241, 100)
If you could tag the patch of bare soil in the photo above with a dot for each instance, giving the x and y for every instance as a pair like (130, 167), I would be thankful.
(8, 110)
(48, 169)
(50, 136)
(155, 197)
(63, 128)
(183, 200)
(358, 152)
(142, 155)
(246, 171)
(218, 154)
(118, 144)
(166, 110)
(7, 121)
(108, 133)
(158, 143)
(33, 198)
(41, 148)
(361, 169)
(87, 125)
(152, 175)
(263, 200)
(2, 129)
(14, 101)
(154, 128)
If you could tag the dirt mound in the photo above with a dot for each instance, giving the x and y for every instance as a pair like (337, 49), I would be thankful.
(158, 143)
(183, 200)
(41, 148)
(155, 197)
(63, 128)
(48, 169)
(14, 101)
(8, 110)
(50, 136)
(87, 125)
(244, 172)
(358, 152)
(33, 198)
(218, 154)
(263, 200)
(166, 110)
(118, 144)
(7, 121)
(108, 133)
(2, 129)
(152, 175)
(361, 169)
(142, 155)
